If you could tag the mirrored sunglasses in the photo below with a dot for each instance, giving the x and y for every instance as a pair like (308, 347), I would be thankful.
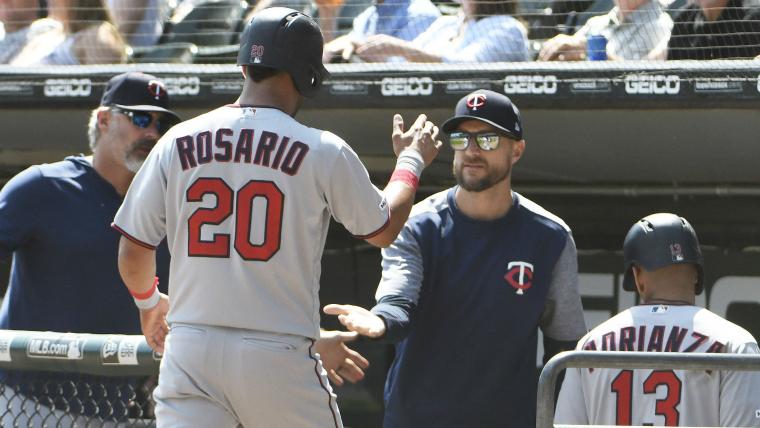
(143, 119)
(487, 141)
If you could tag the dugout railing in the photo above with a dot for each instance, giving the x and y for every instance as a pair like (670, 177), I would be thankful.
(628, 360)
(50, 379)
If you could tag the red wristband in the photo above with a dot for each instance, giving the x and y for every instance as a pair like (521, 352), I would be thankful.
(147, 294)
(405, 176)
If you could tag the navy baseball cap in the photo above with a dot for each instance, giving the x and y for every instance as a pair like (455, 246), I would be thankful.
(138, 92)
(490, 107)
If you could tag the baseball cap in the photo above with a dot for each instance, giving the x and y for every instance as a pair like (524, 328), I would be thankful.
(138, 92)
(490, 107)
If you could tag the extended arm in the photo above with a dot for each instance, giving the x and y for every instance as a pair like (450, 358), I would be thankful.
(416, 148)
(137, 266)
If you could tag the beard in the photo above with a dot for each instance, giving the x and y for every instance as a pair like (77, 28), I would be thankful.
(492, 177)
(137, 153)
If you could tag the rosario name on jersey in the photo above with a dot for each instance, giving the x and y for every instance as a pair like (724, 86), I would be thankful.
(244, 196)
(663, 397)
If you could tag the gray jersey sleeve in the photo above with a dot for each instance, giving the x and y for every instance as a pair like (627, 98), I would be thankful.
(571, 405)
(740, 394)
(352, 198)
(562, 318)
(142, 215)
(399, 289)
(402, 268)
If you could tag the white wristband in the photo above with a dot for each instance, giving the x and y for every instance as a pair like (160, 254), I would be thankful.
(150, 302)
(411, 160)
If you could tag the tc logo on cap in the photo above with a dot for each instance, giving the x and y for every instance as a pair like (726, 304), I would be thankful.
(156, 89)
(476, 100)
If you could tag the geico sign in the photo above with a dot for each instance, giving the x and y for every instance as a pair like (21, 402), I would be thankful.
(530, 84)
(182, 85)
(406, 86)
(68, 87)
(652, 84)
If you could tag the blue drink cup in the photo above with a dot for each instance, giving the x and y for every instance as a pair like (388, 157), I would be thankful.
(596, 47)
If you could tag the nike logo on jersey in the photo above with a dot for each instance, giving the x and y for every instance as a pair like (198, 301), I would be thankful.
(224, 145)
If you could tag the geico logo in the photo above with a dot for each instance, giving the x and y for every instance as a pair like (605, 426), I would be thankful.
(68, 87)
(182, 85)
(522, 84)
(410, 86)
(652, 84)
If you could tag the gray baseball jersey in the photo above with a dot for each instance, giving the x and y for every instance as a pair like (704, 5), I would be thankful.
(244, 197)
(663, 397)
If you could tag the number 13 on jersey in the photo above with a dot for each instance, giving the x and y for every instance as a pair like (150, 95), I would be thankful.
(239, 204)
(667, 407)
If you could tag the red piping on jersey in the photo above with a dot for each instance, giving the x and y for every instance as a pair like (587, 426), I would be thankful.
(378, 231)
(329, 395)
(132, 238)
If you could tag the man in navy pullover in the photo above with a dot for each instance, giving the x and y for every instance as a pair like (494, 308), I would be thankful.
(477, 269)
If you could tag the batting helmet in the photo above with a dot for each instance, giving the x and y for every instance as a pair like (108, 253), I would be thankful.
(285, 39)
(660, 240)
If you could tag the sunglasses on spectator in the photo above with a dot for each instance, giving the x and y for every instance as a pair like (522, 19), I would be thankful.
(143, 119)
(486, 141)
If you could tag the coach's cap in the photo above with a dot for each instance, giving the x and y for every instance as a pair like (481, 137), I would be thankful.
(137, 91)
(490, 107)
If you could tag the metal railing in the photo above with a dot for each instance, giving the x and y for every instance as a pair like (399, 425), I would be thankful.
(628, 360)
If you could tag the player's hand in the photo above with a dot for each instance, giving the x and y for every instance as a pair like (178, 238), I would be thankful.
(421, 136)
(358, 319)
(563, 48)
(340, 361)
(154, 325)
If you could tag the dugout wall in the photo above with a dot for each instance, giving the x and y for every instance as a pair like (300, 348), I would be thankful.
(606, 145)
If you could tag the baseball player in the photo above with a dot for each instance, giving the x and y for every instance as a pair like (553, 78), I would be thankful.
(244, 195)
(474, 274)
(663, 264)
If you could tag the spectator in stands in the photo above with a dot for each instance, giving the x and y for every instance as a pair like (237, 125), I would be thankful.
(715, 29)
(83, 34)
(481, 32)
(635, 30)
(140, 22)
(22, 22)
(402, 19)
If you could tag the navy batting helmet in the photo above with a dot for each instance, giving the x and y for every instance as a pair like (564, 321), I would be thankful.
(285, 39)
(660, 240)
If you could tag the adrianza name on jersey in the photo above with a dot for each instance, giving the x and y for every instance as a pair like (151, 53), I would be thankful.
(271, 150)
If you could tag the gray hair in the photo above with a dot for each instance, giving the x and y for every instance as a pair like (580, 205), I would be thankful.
(93, 132)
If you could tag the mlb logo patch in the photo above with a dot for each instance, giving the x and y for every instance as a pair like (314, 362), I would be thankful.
(659, 309)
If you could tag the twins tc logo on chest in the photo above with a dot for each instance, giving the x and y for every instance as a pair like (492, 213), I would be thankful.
(520, 276)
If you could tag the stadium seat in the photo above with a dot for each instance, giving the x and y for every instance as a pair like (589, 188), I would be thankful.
(208, 23)
(173, 53)
(217, 54)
